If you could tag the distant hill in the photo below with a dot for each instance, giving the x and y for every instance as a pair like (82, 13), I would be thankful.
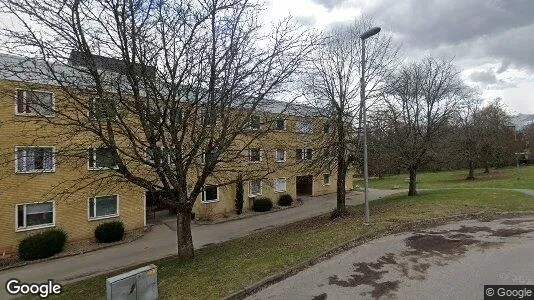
(522, 120)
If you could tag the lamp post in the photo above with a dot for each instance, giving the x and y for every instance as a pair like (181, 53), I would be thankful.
(369, 33)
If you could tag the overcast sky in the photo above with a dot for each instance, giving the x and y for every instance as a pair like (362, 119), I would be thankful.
(492, 41)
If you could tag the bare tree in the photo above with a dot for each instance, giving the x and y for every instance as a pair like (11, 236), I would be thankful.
(468, 134)
(185, 79)
(420, 101)
(332, 86)
(496, 136)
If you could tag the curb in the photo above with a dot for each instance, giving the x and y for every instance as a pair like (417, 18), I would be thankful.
(246, 216)
(255, 287)
(59, 255)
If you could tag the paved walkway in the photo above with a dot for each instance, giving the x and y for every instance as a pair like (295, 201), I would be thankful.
(161, 242)
(452, 261)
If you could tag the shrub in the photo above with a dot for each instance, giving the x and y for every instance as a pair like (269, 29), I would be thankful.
(262, 204)
(109, 232)
(285, 200)
(239, 195)
(42, 245)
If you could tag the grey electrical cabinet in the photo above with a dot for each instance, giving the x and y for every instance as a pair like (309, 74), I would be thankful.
(138, 284)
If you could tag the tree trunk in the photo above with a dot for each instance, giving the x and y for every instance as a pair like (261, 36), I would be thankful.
(413, 181)
(486, 167)
(471, 175)
(183, 235)
(341, 176)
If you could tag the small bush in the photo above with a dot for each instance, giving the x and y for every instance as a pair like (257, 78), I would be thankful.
(262, 204)
(109, 232)
(42, 245)
(285, 200)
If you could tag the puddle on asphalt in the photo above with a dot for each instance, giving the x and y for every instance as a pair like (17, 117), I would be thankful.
(515, 222)
(320, 297)
(369, 274)
(424, 249)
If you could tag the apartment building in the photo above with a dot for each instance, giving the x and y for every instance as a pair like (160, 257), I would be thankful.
(40, 187)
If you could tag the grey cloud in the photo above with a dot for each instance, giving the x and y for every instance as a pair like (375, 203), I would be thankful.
(504, 66)
(472, 29)
(483, 76)
(488, 80)
(435, 22)
(515, 46)
(330, 4)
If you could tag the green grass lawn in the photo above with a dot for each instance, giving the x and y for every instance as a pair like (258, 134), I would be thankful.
(231, 266)
(497, 178)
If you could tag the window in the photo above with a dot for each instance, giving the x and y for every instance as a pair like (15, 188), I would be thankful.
(326, 127)
(304, 126)
(174, 115)
(103, 207)
(280, 124)
(208, 117)
(326, 179)
(102, 109)
(255, 155)
(304, 154)
(101, 158)
(255, 188)
(35, 215)
(280, 185)
(35, 103)
(209, 155)
(280, 155)
(210, 194)
(255, 123)
(151, 154)
(35, 159)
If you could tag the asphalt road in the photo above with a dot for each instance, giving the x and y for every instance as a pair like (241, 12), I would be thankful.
(161, 242)
(452, 261)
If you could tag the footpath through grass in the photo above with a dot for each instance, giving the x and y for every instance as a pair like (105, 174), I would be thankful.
(219, 271)
(497, 178)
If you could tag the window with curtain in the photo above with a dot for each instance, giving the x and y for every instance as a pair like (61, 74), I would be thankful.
(35, 215)
(35, 103)
(35, 159)
(103, 206)
(255, 187)
(280, 185)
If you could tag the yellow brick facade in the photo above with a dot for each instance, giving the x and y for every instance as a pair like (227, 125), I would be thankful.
(71, 209)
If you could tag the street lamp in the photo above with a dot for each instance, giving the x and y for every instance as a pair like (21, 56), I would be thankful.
(369, 33)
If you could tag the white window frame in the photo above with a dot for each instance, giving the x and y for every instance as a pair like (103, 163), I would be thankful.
(26, 228)
(91, 168)
(309, 122)
(276, 158)
(276, 123)
(250, 122)
(304, 152)
(210, 201)
(89, 218)
(250, 188)
(250, 155)
(35, 171)
(329, 179)
(285, 184)
(17, 113)
(165, 153)
(94, 117)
